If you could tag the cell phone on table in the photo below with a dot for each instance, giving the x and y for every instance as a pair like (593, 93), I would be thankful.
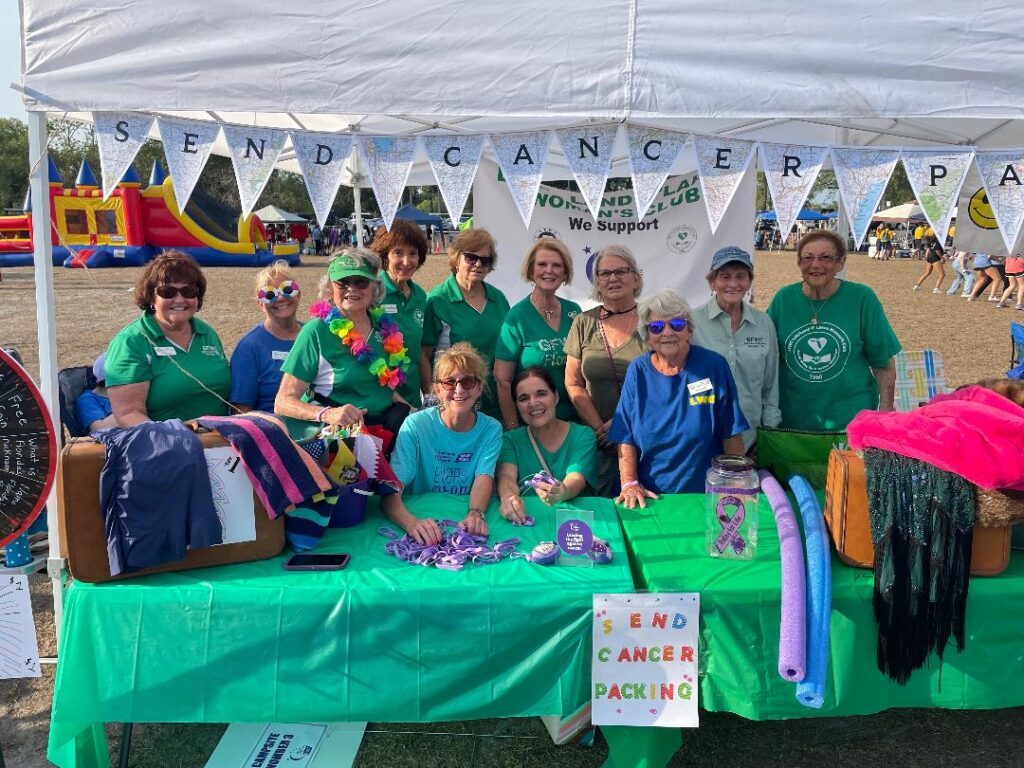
(317, 561)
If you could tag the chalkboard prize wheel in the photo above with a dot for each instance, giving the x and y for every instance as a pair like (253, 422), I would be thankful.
(28, 450)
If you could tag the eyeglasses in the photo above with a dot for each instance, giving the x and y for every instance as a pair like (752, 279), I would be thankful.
(472, 259)
(171, 291)
(468, 383)
(676, 324)
(289, 289)
(359, 283)
(826, 259)
(608, 274)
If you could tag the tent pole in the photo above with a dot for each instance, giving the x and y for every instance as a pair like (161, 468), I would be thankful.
(357, 197)
(46, 329)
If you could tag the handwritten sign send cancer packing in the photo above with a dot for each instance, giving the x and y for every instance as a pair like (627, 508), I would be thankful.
(644, 667)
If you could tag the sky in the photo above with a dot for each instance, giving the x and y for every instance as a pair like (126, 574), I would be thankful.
(10, 60)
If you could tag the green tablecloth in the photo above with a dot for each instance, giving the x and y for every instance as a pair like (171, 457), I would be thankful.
(739, 629)
(382, 640)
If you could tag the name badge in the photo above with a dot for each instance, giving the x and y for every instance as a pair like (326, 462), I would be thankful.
(696, 387)
(164, 351)
(391, 309)
(278, 354)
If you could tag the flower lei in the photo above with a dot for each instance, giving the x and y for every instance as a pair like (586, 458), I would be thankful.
(390, 370)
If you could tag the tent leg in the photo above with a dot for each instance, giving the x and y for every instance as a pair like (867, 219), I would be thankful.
(126, 745)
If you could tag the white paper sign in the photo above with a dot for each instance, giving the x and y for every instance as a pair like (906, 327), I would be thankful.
(119, 135)
(19, 650)
(588, 151)
(187, 147)
(232, 494)
(644, 665)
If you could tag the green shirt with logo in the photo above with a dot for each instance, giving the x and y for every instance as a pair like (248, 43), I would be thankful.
(408, 312)
(825, 377)
(578, 453)
(183, 383)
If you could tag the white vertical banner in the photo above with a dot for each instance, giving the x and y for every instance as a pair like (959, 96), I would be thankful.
(253, 154)
(522, 157)
(721, 164)
(652, 153)
(187, 147)
(321, 159)
(936, 177)
(388, 163)
(588, 151)
(644, 663)
(862, 176)
(790, 170)
(119, 136)
(454, 160)
(1002, 174)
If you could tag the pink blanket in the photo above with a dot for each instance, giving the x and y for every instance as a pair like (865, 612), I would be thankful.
(973, 432)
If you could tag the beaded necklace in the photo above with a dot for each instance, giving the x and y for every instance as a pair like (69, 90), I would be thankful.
(390, 370)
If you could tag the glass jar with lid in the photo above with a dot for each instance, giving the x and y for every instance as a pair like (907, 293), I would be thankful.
(731, 493)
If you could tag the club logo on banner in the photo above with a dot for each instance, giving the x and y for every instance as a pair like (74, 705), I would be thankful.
(790, 170)
(119, 136)
(253, 154)
(722, 164)
(644, 664)
(588, 151)
(862, 176)
(187, 147)
(1002, 174)
(321, 159)
(388, 163)
(652, 153)
(522, 157)
(454, 160)
(936, 178)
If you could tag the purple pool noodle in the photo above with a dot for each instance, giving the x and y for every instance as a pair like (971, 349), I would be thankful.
(811, 692)
(793, 621)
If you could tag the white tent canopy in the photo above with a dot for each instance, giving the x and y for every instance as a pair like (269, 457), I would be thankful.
(271, 214)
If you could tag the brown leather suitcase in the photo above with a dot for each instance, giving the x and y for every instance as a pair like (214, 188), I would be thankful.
(83, 538)
(846, 514)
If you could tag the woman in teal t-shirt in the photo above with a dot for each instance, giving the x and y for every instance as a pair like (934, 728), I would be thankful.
(535, 329)
(564, 450)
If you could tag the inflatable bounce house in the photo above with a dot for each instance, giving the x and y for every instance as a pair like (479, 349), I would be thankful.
(134, 224)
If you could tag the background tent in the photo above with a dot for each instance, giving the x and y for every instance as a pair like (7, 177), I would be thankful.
(806, 214)
(413, 214)
(271, 214)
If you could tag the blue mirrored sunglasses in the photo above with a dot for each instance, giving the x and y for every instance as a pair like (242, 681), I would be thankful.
(676, 324)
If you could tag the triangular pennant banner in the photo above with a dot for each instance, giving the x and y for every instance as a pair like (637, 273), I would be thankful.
(388, 163)
(588, 151)
(862, 176)
(522, 157)
(454, 160)
(187, 147)
(721, 164)
(936, 178)
(321, 159)
(253, 154)
(790, 170)
(1002, 174)
(652, 153)
(119, 135)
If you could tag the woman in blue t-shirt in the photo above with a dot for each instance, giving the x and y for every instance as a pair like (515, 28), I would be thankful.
(256, 361)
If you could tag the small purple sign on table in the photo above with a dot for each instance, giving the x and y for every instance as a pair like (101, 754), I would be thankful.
(575, 536)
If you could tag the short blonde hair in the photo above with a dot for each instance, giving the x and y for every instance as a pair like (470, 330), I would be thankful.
(273, 274)
(627, 256)
(665, 304)
(472, 240)
(548, 244)
(460, 357)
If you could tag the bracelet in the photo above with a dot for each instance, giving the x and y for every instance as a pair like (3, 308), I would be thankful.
(320, 416)
(630, 484)
(477, 510)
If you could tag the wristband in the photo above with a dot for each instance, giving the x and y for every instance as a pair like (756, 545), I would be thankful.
(630, 484)
(320, 416)
(477, 510)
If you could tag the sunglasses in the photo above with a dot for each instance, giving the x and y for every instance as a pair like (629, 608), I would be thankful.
(171, 291)
(469, 383)
(289, 289)
(472, 259)
(359, 283)
(676, 324)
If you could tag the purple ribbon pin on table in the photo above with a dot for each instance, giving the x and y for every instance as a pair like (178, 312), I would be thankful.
(730, 516)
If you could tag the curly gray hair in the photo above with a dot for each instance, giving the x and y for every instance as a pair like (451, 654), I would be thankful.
(664, 304)
(627, 256)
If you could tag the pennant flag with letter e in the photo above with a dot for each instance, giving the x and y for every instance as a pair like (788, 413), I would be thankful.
(1002, 175)
(454, 160)
(522, 157)
(253, 154)
(652, 153)
(862, 176)
(388, 163)
(721, 164)
(119, 136)
(187, 147)
(588, 151)
(790, 170)
(321, 159)
(936, 177)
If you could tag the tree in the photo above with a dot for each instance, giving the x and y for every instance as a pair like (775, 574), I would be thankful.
(14, 164)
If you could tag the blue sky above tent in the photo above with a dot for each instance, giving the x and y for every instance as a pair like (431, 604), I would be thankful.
(86, 178)
(157, 175)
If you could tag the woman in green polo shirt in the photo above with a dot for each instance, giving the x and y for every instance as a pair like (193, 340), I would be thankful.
(565, 450)
(168, 364)
(350, 359)
(465, 308)
(535, 329)
(402, 250)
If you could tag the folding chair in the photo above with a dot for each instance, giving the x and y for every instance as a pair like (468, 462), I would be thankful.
(1016, 351)
(920, 374)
